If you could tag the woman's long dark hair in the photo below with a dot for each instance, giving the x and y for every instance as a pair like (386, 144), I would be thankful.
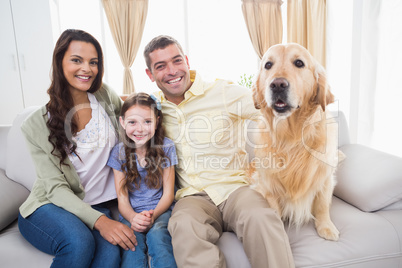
(61, 101)
(155, 156)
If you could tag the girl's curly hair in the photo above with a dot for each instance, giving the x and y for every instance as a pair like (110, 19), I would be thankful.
(155, 155)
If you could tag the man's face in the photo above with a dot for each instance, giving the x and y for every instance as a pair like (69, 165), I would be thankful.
(171, 72)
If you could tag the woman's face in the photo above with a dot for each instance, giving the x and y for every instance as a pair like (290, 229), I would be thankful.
(80, 66)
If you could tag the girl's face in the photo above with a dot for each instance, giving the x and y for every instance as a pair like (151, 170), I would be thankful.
(80, 65)
(140, 124)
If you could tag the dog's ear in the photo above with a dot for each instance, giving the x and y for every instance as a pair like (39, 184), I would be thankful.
(256, 93)
(323, 94)
(255, 97)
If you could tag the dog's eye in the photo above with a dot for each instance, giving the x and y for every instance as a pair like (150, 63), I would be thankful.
(268, 65)
(299, 63)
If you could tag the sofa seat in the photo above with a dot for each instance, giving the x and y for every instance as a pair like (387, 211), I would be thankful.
(17, 252)
(366, 240)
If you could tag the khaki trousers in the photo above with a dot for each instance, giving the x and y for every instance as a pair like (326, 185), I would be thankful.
(197, 223)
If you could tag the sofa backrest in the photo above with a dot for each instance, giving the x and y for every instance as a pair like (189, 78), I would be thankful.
(19, 165)
(343, 128)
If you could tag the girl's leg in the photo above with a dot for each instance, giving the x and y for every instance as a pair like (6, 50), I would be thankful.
(137, 258)
(160, 243)
(106, 255)
(57, 232)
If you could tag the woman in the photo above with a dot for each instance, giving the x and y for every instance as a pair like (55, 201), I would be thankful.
(70, 139)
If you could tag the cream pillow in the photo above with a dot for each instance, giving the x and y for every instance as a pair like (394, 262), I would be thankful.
(369, 179)
(19, 165)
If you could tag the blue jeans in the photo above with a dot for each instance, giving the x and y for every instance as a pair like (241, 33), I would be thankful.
(58, 232)
(156, 243)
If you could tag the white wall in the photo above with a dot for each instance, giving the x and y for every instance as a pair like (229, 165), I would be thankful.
(26, 49)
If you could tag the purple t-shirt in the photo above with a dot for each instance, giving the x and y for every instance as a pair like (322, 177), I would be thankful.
(143, 198)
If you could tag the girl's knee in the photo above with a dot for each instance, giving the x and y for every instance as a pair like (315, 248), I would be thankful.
(160, 223)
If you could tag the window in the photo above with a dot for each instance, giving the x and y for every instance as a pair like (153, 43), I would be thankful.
(212, 32)
(363, 46)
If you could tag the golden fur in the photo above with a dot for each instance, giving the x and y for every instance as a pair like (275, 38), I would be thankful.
(294, 170)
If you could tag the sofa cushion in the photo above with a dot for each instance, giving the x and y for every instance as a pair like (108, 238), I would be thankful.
(369, 179)
(15, 251)
(394, 206)
(12, 195)
(19, 165)
(233, 251)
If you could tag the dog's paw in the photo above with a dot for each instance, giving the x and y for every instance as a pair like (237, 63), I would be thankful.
(328, 231)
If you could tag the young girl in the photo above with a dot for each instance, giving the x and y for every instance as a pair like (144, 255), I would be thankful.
(143, 166)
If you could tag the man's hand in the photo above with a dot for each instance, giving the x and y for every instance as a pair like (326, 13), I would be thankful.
(142, 221)
(116, 233)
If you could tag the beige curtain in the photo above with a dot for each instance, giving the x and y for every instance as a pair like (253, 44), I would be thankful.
(126, 21)
(306, 25)
(264, 23)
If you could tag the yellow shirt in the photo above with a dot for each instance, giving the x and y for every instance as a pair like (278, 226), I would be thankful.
(208, 130)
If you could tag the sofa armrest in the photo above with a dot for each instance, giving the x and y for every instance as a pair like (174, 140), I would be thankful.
(12, 195)
(343, 129)
(369, 179)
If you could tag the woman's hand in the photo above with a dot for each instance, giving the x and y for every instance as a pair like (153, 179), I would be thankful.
(142, 221)
(116, 233)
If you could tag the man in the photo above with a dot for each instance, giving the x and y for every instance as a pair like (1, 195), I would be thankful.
(205, 120)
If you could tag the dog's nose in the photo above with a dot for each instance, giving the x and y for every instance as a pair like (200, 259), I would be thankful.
(279, 85)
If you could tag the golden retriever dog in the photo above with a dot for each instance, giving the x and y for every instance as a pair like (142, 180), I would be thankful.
(294, 167)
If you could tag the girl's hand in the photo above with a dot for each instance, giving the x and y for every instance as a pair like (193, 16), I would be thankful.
(142, 221)
(151, 215)
(116, 233)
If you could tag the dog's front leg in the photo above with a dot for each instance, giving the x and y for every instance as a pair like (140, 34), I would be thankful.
(321, 205)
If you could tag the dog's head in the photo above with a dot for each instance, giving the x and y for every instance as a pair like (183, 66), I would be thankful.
(289, 78)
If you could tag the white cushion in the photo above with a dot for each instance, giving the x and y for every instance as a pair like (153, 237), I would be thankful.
(12, 195)
(394, 206)
(19, 165)
(369, 179)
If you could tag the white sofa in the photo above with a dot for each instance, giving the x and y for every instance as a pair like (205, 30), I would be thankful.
(367, 209)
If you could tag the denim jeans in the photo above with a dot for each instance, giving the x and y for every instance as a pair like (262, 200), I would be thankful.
(58, 232)
(156, 243)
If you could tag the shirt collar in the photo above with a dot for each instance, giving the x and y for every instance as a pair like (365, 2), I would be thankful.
(197, 87)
